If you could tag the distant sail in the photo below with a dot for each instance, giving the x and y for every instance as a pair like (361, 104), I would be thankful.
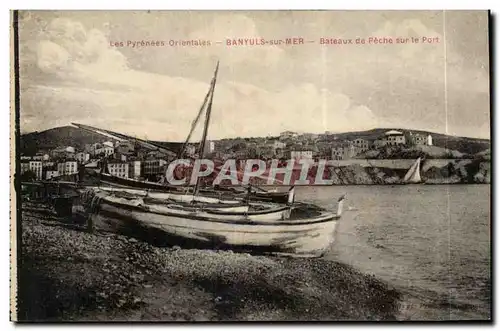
(413, 175)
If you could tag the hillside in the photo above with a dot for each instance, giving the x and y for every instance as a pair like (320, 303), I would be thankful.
(413, 152)
(464, 145)
(62, 136)
(72, 136)
(69, 136)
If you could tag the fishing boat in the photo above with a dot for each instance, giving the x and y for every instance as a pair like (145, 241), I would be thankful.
(413, 174)
(296, 230)
(256, 193)
(290, 228)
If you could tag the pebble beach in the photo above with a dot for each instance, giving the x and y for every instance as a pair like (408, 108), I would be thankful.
(68, 274)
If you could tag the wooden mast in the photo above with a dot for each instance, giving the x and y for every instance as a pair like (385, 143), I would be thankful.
(195, 122)
(205, 128)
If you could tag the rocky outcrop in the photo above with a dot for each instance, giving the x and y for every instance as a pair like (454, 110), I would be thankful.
(455, 172)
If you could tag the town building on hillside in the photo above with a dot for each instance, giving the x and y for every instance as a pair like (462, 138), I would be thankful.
(101, 150)
(288, 135)
(361, 145)
(25, 166)
(124, 147)
(343, 150)
(67, 167)
(67, 152)
(420, 139)
(300, 153)
(429, 140)
(209, 147)
(82, 157)
(134, 169)
(153, 167)
(48, 164)
(278, 144)
(118, 168)
(37, 168)
(120, 156)
(394, 138)
(38, 157)
(190, 150)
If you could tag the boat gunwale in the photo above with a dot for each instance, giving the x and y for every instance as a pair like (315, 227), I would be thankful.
(322, 218)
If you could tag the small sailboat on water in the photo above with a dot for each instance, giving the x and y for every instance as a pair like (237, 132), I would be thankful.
(413, 174)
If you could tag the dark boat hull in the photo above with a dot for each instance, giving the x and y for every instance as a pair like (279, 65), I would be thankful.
(276, 197)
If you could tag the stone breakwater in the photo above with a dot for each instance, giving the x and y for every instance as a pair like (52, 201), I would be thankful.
(68, 274)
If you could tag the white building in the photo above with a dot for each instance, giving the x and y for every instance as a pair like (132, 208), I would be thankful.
(343, 151)
(361, 145)
(98, 149)
(135, 169)
(25, 166)
(297, 155)
(82, 157)
(36, 167)
(393, 138)
(104, 150)
(118, 169)
(190, 150)
(288, 135)
(67, 168)
(420, 139)
(278, 144)
(429, 140)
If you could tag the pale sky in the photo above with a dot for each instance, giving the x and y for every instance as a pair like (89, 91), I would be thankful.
(71, 73)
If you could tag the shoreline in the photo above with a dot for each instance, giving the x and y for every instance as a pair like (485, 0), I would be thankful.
(68, 274)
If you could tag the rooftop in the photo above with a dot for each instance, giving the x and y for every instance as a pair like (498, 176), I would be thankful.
(393, 132)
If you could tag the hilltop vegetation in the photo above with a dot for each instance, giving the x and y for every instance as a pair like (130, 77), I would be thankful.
(463, 145)
(454, 147)
(33, 142)
(413, 152)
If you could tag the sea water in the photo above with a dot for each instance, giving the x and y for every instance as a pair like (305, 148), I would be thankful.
(431, 242)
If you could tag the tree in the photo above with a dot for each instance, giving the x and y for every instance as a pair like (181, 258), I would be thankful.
(28, 176)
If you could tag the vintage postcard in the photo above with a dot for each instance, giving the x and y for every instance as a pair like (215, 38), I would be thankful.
(250, 166)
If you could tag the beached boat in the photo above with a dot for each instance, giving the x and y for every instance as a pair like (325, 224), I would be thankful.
(184, 203)
(291, 228)
(303, 230)
(108, 179)
(257, 194)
